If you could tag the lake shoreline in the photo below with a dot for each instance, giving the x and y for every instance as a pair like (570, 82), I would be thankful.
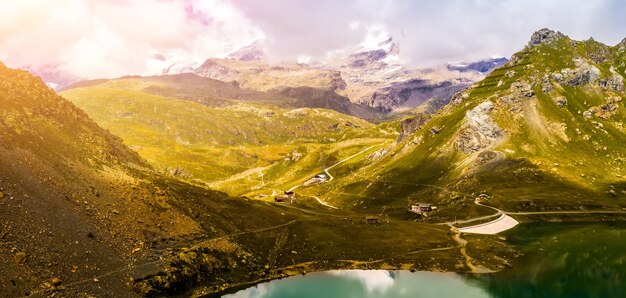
(511, 259)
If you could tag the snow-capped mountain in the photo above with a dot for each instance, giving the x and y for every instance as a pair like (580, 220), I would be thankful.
(482, 66)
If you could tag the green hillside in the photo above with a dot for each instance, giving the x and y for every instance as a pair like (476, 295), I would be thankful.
(209, 138)
(84, 215)
(545, 131)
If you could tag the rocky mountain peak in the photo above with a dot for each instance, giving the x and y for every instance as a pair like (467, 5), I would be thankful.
(544, 36)
(374, 53)
(252, 52)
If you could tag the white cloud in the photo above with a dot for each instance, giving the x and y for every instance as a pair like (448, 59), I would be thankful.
(430, 32)
(108, 38)
(379, 281)
(95, 38)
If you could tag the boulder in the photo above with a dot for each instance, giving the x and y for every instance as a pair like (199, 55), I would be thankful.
(20, 257)
(560, 101)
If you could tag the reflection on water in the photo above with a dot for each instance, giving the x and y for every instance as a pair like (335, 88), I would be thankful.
(563, 260)
(365, 284)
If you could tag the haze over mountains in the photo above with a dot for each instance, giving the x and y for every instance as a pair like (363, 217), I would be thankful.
(373, 75)
(372, 80)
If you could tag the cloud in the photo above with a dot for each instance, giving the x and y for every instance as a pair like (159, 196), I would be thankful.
(430, 32)
(95, 38)
(109, 38)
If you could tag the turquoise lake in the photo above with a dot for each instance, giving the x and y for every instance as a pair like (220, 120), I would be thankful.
(562, 260)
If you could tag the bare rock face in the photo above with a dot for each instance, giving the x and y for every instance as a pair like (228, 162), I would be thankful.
(544, 36)
(480, 131)
(583, 74)
(411, 125)
(214, 70)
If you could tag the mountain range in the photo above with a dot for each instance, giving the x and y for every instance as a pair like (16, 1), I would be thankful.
(166, 184)
(545, 131)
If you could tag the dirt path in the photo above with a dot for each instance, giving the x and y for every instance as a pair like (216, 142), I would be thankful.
(324, 203)
(469, 261)
(330, 177)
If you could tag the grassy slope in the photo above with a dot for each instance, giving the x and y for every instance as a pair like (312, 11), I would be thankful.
(211, 144)
(554, 157)
(82, 205)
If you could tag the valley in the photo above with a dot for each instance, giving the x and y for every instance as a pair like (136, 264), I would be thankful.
(241, 171)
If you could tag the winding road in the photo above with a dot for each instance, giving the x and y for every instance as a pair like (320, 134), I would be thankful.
(330, 177)
(505, 221)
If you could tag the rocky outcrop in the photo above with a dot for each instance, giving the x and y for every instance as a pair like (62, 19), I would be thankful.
(598, 52)
(544, 36)
(546, 85)
(378, 154)
(365, 58)
(605, 111)
(411, 125)
(183, 271)
(615, 82)
(583, 74)
(480, 131)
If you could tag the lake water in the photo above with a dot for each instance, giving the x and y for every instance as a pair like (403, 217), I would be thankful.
(563, 260)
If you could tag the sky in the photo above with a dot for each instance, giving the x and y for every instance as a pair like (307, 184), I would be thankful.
(90, 39)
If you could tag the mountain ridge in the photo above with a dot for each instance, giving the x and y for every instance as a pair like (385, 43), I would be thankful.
(550, 122)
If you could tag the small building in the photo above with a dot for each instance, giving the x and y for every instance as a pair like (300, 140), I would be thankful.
(287, 196)
(318, 179)
(421, 208)
(321, 176)
(372, 219)
(483, 197)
